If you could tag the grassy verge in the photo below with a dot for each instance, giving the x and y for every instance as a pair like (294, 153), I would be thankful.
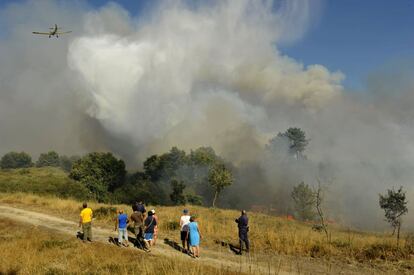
(42, 181)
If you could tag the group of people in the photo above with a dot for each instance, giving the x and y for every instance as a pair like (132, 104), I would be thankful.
(146, 228)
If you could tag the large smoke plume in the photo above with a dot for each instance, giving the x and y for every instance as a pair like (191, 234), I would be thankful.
(201, 75)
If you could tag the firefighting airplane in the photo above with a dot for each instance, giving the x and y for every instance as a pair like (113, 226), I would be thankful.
(54, 31)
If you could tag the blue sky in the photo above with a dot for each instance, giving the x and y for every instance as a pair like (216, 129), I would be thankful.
(352, 36)
(358, 36)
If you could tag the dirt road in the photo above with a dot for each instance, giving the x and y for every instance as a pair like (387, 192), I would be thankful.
(221, 258)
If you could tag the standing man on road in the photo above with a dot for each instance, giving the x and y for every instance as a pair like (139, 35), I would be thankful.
(86, 222)
(243, 225)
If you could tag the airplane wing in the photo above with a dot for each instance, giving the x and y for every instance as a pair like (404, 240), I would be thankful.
(63, 32)
(45, 33)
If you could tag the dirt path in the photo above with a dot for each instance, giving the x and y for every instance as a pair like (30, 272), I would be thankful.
(212, 258)
(220, 258)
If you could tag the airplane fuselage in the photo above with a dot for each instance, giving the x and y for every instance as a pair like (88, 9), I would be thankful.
(54, 31)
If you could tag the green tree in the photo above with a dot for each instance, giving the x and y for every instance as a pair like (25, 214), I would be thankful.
(16, 160)
(153, 168)
(203, 156)
(394, 204)
(177, 196)
(294, 138)
(219, 177)
(165, 166)
(304, 199)
(66, 162)
(100, 172)
(194, 199)
(139, 188)
(50, 158)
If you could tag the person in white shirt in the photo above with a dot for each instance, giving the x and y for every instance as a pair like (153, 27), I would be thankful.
(184, 221)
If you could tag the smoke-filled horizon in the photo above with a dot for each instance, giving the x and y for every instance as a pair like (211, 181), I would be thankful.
(202, 75)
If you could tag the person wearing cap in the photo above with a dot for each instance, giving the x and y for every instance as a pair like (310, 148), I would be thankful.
(156, 226)
(243, 225)
(184, 221)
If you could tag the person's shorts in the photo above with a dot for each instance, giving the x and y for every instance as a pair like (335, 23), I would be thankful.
(183, 235)
(148, 236)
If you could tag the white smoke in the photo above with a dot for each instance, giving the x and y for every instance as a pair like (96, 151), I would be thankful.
(190, 75)
(213, 69)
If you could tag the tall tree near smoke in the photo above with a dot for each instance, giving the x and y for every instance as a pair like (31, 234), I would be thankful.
(297, 140)
(394, 204)
(293, 141)
(219, 177)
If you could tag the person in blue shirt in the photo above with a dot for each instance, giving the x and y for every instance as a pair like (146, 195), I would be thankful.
(194, 236)
(121, 224)
(243, 225)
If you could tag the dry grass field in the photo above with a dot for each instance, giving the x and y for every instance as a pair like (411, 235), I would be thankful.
(269, 235)
(33, 250)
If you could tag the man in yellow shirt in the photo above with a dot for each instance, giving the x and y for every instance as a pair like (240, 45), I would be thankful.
(86, 222)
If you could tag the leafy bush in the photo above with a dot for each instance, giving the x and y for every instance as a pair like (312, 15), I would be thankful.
(100, 173)
(48, 159)
(194, 199)
(143, 190)
(14, 160)
(66, 162)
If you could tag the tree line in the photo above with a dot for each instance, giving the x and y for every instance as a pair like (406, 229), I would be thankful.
(172, 178)
(14, 160)
(198, 177)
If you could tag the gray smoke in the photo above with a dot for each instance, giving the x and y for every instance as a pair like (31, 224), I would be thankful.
(202, 75)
